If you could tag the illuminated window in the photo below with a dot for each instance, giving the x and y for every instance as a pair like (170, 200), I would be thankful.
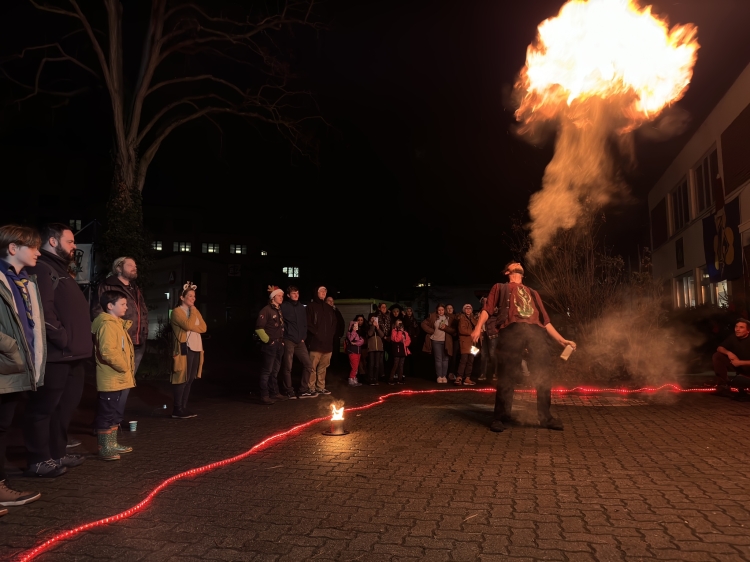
(182, 247)
(237, 249)
(291, 272)
(156, 245)
(680, 206)
(706, 180)
(75, 224)
(208, 248)
(263, 253)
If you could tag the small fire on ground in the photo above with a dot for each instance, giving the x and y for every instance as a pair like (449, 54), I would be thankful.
(337, 413)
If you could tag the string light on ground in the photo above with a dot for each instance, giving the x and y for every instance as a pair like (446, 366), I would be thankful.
(140, 506)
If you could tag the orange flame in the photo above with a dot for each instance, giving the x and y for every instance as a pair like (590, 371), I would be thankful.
(337, 413)
(599, 68)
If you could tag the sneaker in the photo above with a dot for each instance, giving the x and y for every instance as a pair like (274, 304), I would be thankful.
(70, 461)
(73, 443)
(291, 395)
(552, 423)
(469, 382)
(279, 397)
(392, 383)
(45, 469)
(482, 377)
(11, 498)
(374, 383)
(442, 380)
(324, 391)
(3, 512)
(307, 394)
(181, 415)
(186, 414)
(724, 391)
(451, 377)
(353, 382)
(497, 426)
(266, 401)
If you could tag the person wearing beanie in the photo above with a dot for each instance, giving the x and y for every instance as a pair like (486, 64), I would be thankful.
(270, 329)
(321, 328)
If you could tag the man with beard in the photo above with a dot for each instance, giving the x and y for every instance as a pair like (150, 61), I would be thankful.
(122, 280)
(69, 345)
(524, 325)
(321, 327)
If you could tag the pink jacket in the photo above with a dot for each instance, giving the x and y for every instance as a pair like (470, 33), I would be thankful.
(400, 337)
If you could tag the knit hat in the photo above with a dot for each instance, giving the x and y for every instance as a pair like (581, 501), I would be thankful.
(273, 291)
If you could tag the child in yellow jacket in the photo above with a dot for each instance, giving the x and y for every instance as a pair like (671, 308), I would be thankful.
(115, 371)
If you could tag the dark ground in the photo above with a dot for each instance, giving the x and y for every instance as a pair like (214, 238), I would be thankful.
(419, 478)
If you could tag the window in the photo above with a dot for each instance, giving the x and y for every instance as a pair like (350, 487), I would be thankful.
(182, 247)
(75, 224)
(209, 248)
(716, 294)
(237, 249)
(686, 291)
(156, 245)
(263, 253)
(680, 206)
(705, 177)
(291, 272)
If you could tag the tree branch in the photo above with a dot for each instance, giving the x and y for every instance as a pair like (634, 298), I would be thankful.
(169, 107)
(53, 10)
(184, 79)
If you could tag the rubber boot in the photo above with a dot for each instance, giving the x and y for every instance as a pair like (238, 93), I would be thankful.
(106, 452)
(121, 449)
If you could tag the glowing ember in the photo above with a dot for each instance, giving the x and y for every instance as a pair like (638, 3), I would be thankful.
(600, 68)
(337, 413)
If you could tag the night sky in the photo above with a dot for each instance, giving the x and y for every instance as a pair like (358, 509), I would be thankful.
(418, 172)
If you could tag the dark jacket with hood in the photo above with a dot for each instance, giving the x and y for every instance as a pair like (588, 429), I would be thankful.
(137, 310)
(295, 320)
(66, 311)
(321, 325)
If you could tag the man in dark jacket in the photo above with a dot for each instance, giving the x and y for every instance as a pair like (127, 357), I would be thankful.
(270, 329)
(69, 345)
(295, 322)
(321, 327)
(411, 326)
(122, 280)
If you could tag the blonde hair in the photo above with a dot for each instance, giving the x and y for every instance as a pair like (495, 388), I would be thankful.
(118, 263)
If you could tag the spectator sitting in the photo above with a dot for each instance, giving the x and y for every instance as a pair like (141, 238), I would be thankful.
(734, 354)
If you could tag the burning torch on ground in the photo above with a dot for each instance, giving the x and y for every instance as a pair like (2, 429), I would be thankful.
(597, 71)
(337, 421)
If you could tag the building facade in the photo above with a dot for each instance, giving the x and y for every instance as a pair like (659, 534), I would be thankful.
(706, 184)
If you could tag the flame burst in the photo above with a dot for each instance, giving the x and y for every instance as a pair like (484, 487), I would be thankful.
(599, 70)
(337, 413)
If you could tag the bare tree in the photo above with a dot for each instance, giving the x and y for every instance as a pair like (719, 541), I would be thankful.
(194, 64)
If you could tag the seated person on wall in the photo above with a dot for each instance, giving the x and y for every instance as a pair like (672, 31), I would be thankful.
(734, 354)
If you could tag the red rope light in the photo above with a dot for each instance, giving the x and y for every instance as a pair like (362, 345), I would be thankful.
(140, 506)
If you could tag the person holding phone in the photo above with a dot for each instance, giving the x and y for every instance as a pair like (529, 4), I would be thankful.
(375, 351)
(439, 341)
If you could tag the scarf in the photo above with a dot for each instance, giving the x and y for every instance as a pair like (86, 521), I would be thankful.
(22, 281)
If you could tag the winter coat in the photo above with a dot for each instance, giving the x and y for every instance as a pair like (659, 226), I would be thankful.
(137, 310)
(375, 338)
(19, 369)
(181, 325)
(466, 325)
(339, 333)
(66, 311)
(295, 321)
(411, 326)
(385, 321)
(428, 326)
(400, 342)
(115, 356)
(354, 340)
(321, 326)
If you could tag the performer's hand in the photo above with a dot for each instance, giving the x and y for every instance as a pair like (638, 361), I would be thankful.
(570, 343)
(476, 334)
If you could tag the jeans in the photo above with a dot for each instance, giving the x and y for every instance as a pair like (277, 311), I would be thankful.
(139, 351)
(515, 338)
(354, 364)
(441, 358)
(298, 350)
(398, 368)
(488, 356)
(109, 408)
(7, 409)
(181, 392)
(273, 351)
(320, 362)
(374, 366)
(50, 409)
(466, 365)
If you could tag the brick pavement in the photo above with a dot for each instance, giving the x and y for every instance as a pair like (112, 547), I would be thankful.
(418, 478)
